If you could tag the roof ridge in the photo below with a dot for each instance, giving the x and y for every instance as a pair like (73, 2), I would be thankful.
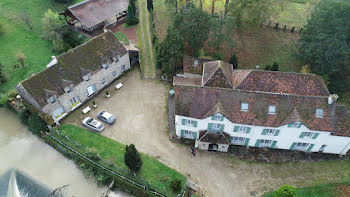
(210, 75)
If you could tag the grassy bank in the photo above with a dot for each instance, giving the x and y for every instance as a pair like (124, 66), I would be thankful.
(122, 37)
(327, 190)
(153, 173)
(19, 38)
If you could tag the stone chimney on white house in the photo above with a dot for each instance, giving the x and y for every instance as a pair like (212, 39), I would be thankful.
(53, 62)
(332, 98)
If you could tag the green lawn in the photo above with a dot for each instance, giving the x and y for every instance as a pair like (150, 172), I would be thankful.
(122, 37)
(157, 174)
(327, 190)
(18, 37)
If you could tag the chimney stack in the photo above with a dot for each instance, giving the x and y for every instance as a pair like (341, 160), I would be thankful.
(332, 98)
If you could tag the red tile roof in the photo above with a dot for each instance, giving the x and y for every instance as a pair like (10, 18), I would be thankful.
(194, 65)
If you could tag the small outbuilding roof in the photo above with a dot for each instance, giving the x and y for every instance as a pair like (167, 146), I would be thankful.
(93, 12)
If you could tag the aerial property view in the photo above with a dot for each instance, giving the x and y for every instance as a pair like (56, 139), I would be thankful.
(175, 98)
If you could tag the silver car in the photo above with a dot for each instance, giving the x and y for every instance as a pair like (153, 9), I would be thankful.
(93, 124)
(106, 117)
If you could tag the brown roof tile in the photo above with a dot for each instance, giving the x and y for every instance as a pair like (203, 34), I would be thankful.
(189, 65)
(282, 82)
(93, 12)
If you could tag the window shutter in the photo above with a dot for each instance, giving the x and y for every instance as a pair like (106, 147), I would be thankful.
(257, 143)
(273, 144)
(235, 129)
(222, 118)
(302, 134)
(264, 132)
(210, 125)
(248, 130)
(231, 139)
(310, 147)
(194, 135)
(277, 132)
(194, 123)
(290, 124)
(299, 125)
(212, 117)
(315, 135)
(183, 121)
(246, 142)
(182, 133)
(293, 145)
(222, 126)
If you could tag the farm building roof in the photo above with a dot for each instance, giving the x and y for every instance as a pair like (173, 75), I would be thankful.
(72, 66)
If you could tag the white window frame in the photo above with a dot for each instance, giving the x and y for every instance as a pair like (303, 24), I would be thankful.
(217, 117)
(319, 113)
(123, 68)
(103, 80)
(244, 107)
(114, 73)
(216, 126)
(295, 124)
(189, 122)
(308, 134)
(87, 77)
(242, 129)
(105, 65)
(272, 109)
(238, 140)
(58, 112)
(92, 93)
(116, 59)
(265, 143)
(74, 100)
(301, 146)
(52, 99)
(270, 131)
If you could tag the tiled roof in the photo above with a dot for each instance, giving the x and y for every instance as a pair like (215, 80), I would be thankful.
(93, 12)
(213, 138)
(72, 66)
(201, 102)
(190, 64)
(217, 74)
(282, 82)
(342, 120)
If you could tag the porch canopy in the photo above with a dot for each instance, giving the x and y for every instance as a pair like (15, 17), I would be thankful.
(93, 12)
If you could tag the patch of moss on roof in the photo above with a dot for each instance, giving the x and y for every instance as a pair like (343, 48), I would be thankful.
(71, 65)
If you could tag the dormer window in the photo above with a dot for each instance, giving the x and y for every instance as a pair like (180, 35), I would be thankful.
(244, 107)
(116, 59)
(105, 65)
(195, 64)
(52, 99)
(295, 125)
(272, 109)
(68, 89)
(319, 113)
(87, 77)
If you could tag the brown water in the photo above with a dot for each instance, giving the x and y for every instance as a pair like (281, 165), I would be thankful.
(22, 150)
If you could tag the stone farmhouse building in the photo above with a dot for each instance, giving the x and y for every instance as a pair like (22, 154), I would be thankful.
(218, 106)
(75, 76)
(91, 16)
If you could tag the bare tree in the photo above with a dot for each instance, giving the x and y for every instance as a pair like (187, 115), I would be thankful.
(21, 58)
(26, 19)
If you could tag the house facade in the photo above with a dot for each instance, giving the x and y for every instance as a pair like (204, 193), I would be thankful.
(91, 16)
(75, 76)
(222, 107)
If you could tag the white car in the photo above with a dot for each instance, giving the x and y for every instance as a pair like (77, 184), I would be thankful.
(93, 124)
(106, 117)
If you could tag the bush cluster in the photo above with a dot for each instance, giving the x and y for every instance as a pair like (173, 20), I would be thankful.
(176, 185)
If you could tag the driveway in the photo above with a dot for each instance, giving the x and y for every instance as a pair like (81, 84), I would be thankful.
(140, 109)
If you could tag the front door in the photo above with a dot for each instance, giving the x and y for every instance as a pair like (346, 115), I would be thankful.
(213, 147)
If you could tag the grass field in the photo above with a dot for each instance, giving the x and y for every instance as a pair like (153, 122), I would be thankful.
(122, 37)
(152, 172)
(19, 38)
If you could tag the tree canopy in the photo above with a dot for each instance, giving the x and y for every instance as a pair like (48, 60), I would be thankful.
(325, 43)
(132, 158)
(194, 26)
(285, 191)
(170, 51)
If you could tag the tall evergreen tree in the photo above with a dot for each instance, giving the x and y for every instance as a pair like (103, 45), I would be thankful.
(234, 60)
(132, 158)
(325, 43)
(149, 5)
(170, 51)
(130, 13)
(274, 67)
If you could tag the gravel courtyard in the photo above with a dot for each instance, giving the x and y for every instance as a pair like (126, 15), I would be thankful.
(140, 109)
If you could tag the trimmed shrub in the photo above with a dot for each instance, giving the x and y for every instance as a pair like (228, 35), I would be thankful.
(176, 185)
(285, 191)
(132, 21)
(274, 67)
(234, 60)
(132, 158)
(36, 124)
(24, 116)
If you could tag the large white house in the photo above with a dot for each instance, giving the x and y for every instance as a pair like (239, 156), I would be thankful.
(75, 76)
(218, 106)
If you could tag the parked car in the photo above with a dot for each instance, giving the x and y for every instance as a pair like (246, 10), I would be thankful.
(93, 124)
(106, 117)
